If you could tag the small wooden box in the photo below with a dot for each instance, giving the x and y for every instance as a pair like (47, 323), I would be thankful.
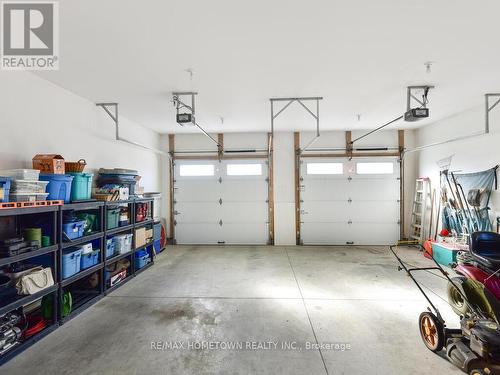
(49, 163)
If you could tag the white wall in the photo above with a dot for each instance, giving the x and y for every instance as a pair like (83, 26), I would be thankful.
(284, 189)
(469, 155)
(37, 116)
(284, 167)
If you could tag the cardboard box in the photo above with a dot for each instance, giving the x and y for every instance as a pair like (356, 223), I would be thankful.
(140, 237)
(49, 163)
(143, 236)
(120, 276)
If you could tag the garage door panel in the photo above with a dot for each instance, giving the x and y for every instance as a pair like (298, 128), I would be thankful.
(324, 211)
(244, 212)
(196, 212)
(375, 233)
(344, 189)
(348, 207)
(197, 233)
(325, 233)
(197, 191)
(243, 190)
(221, 208)
(245, 233)
(377, 189)
(374, 211)
(334, 211)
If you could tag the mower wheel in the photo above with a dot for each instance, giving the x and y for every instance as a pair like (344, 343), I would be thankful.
(455, 299)
(476, 372)
(431, 331)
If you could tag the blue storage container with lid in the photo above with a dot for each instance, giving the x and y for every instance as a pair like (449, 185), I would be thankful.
(142, 258)
(110, 248)
(71, 262)
(59, 187)
(90, 259)
(74, 229)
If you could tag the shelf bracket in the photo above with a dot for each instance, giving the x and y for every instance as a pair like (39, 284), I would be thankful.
(112, 110)
(490, 108)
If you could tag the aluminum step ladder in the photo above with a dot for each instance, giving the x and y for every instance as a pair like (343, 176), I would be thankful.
(420, 207)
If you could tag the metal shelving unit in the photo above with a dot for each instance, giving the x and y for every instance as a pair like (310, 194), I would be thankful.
(131, 227)
(56, 251)
(8, 305)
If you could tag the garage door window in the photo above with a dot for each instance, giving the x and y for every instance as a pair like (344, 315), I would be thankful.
(244, 169)
(324, 168)
(375, 168)
(195, 170)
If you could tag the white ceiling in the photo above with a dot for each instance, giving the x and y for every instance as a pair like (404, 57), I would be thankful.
(358, 54)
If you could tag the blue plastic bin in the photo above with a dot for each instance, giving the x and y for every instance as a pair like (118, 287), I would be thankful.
(81, 186)
(4, 189)
(157, 246)
(110, 248)
(90, 260)
(59, 187)
(71, 262)
(74, 229)
(142, 258)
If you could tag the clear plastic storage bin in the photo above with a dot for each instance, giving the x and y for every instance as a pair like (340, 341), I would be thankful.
(21, 174)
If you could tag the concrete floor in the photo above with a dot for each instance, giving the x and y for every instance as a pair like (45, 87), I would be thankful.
(242, 295)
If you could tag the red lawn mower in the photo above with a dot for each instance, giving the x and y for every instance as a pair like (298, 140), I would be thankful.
(475, 347)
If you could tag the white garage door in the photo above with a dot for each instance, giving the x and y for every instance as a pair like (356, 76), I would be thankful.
(221, 202)
(349, 202)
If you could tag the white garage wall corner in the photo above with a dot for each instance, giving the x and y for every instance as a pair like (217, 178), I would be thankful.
(469, 155)
(44, 118)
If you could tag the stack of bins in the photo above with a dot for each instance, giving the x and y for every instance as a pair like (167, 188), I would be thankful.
(110, 179)
(25, 185)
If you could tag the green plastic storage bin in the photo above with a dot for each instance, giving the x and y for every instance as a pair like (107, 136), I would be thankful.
(443, 254)
(81, 187)
(113, 218)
